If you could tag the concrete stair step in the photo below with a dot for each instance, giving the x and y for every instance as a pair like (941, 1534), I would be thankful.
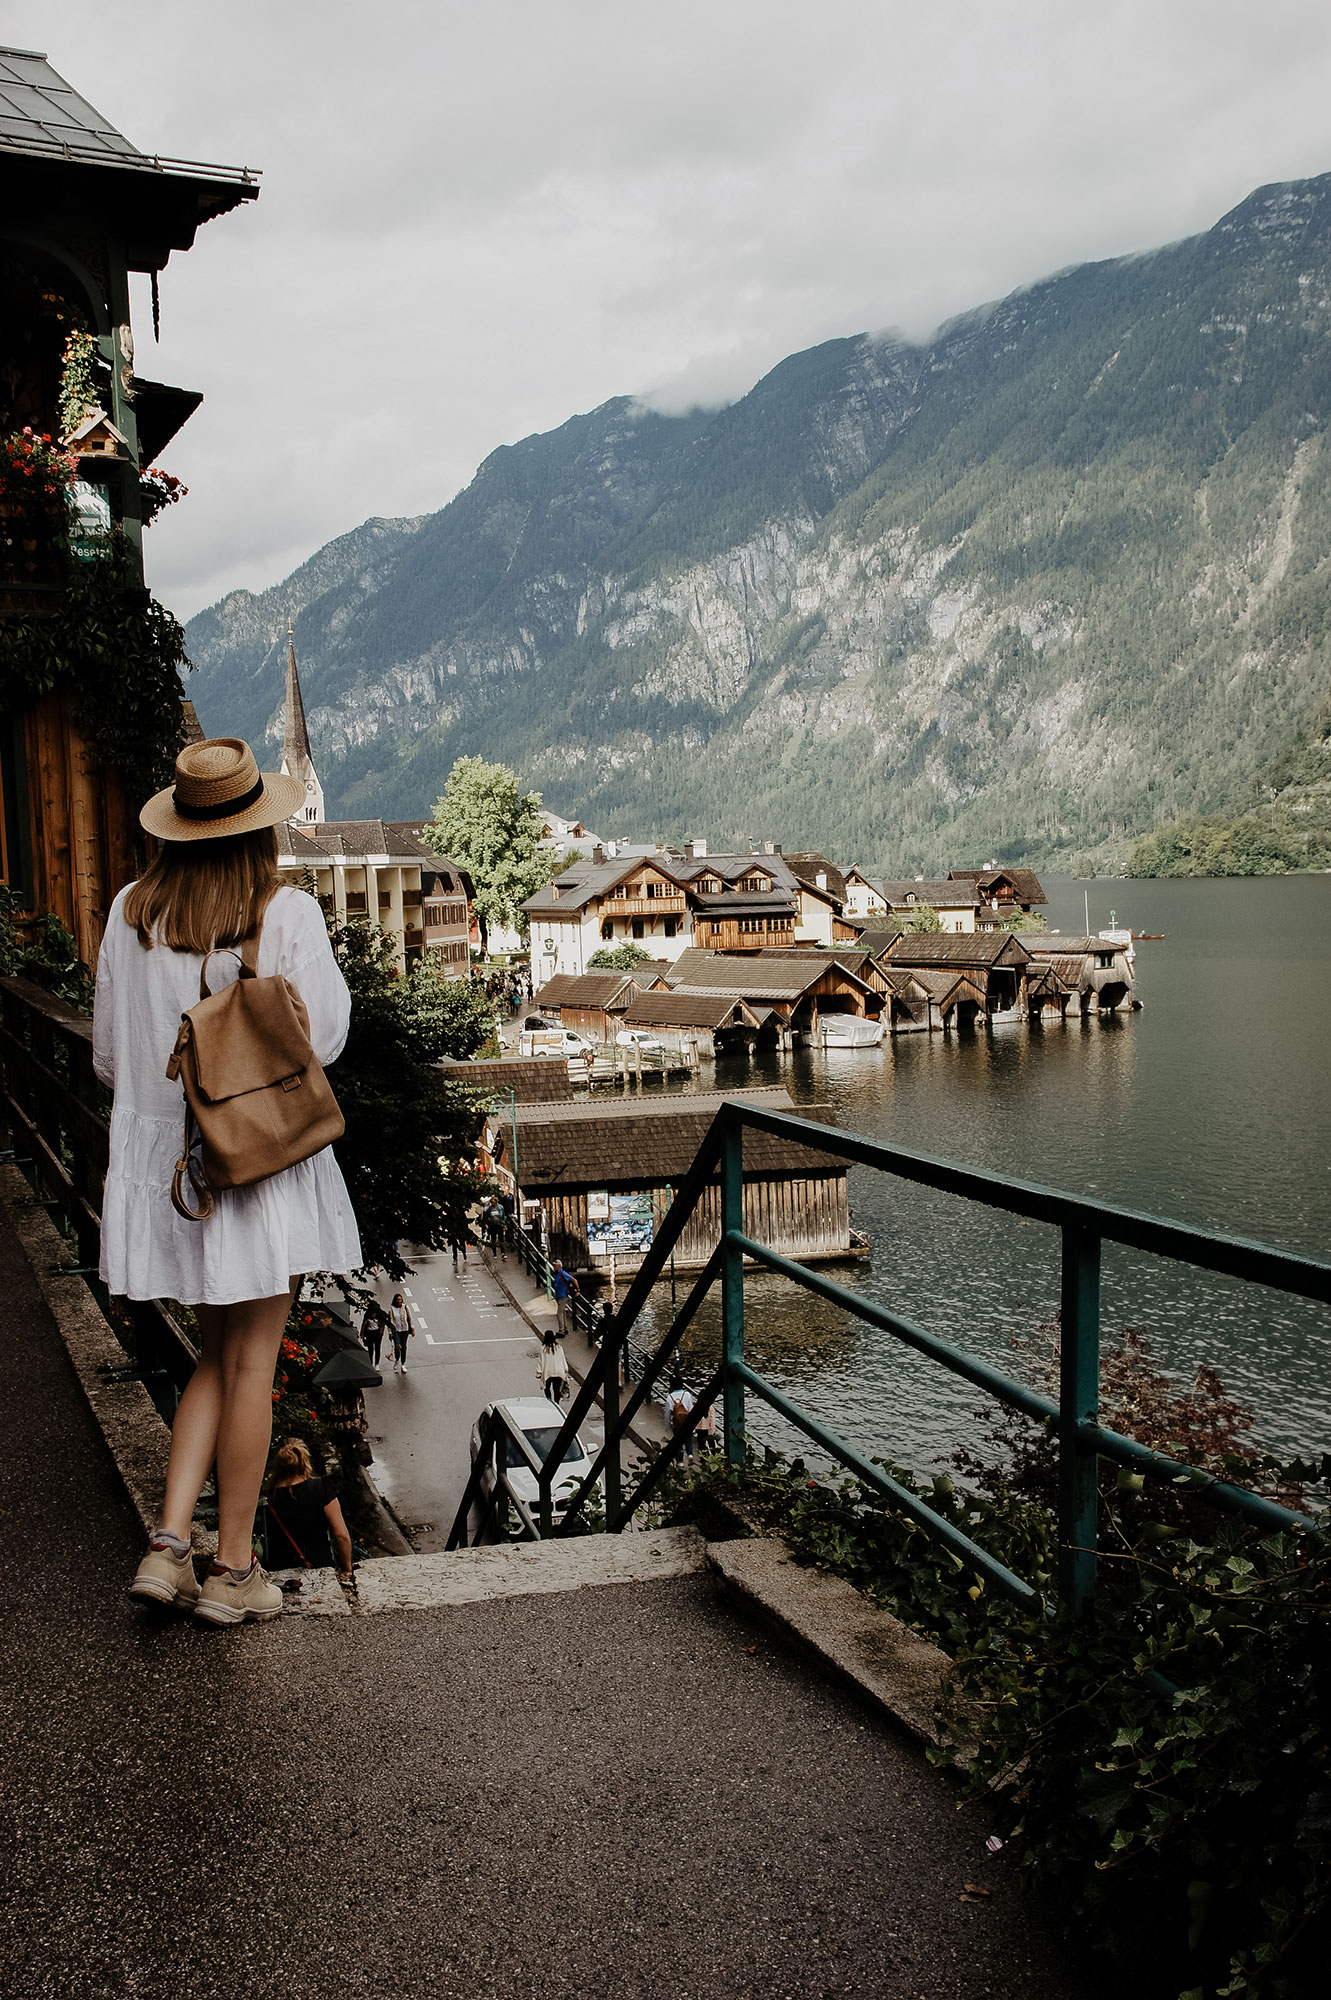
(516, 1569)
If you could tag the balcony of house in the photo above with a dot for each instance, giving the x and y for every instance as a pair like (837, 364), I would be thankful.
(666, 904)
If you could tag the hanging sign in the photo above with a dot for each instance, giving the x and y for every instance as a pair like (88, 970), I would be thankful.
(626, 1226)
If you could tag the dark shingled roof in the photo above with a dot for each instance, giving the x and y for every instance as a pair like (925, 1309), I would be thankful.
(937, 895)
(43, 119)
(687, 1010)
(808, 867)
(978, 948)
(585, 881)
(877, 940)
(534, 1082)
(1025, 882)
(587, 989)
(755, 975)
(942, 982)
(626, 1142)
(1050, 944)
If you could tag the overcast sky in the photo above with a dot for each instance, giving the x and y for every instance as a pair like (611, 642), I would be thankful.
(480, 216)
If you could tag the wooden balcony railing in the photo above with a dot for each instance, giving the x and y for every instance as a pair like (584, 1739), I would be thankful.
(643, 906)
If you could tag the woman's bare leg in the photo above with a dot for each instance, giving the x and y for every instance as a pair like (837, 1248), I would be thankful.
(249, 1355)
(194, 1432)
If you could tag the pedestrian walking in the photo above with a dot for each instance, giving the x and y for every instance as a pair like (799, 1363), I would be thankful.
(679, 1408)
(459, 1236)
(705, 1429)
(305, 1521)
(565, 1288)
(402, 1330)
(372, 1330)
(209, 909)
(552, 1367)
(492, 1224)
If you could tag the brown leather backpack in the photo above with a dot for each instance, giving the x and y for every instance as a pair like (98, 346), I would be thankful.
(256, 1096)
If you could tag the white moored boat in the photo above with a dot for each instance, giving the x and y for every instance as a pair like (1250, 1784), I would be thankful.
(846, 1031)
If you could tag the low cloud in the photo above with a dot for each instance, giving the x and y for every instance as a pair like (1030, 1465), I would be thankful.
(477, 221)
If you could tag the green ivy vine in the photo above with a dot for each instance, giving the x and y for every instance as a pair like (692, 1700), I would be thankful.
(121, 654)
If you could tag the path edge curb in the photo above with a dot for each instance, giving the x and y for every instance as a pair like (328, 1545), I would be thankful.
(136, 1435)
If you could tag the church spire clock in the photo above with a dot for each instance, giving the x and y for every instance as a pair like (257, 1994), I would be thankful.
(296, 759)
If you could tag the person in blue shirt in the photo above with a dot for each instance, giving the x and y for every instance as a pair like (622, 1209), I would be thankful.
(565, 1287)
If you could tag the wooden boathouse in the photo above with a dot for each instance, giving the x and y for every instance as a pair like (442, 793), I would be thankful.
(581, 1165)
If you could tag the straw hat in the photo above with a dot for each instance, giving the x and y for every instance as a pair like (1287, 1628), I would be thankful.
(219, 789)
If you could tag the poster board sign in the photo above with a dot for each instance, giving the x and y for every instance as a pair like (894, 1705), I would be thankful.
(620, 1224)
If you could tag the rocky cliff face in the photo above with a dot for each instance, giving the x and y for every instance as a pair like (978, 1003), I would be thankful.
(1019, 593)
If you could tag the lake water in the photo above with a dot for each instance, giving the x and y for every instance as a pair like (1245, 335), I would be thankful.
(1209, 1106)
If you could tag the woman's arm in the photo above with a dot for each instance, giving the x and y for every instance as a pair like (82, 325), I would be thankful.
(103, 1025)
(314, 972)
(337, 1527)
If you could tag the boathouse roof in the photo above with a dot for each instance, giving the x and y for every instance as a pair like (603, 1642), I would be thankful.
(1051, 944)
(629, 1143)
(753, 975)
(959, 948)
(691, 1010)
(588, 989)
(876, 939)
(533, 1080)
(944, 984)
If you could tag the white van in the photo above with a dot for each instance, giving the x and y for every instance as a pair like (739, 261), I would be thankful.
(554, 1042)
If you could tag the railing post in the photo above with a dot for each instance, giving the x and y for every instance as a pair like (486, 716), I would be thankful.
(732, 1282)
(1078, 1404)
(608, 1353)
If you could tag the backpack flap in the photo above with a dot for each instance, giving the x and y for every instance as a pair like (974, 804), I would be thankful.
(251, 1035)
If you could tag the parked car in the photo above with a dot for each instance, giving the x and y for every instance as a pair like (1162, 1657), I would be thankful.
(638, 1038)
(541, 1422)
(548, 1041)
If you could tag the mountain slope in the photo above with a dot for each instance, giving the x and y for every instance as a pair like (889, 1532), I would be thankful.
(1023, 592)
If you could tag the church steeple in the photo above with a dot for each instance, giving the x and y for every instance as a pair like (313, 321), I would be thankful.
(296, 759)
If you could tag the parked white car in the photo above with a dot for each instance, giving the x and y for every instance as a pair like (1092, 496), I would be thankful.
(555, 1041)
(541, 1422)
(637, 1038)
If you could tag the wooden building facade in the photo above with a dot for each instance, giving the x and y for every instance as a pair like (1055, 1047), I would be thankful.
(80, 209)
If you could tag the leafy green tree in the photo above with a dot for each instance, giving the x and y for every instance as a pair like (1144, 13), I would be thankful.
(622, 959)
(1023, 920)
(492, 829)
(924, 919)
(403, 1115)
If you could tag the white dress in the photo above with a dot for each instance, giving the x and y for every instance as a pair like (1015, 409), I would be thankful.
(258, 1237)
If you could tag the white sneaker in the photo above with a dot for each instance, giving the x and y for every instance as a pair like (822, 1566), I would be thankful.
(229, 1600)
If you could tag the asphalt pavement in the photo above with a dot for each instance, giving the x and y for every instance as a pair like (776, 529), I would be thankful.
(471, 1347)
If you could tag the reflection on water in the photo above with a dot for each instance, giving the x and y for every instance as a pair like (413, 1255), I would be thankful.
(1210, 1106)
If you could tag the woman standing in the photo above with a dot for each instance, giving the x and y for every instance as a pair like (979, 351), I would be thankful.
(552, 1367)
(304, 1514)
(399, 1320)
(213, 883)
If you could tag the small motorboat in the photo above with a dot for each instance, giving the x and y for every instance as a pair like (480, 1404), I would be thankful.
(846, 1031)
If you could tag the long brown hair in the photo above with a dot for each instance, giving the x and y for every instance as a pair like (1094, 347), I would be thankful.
(197, 895)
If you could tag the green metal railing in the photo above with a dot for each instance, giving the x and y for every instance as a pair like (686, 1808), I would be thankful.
(1082, 1440)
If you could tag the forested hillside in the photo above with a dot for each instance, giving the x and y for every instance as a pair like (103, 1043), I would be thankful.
(1024, 593)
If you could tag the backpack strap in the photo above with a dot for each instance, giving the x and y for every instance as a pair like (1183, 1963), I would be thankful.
(187, 1170)
(247, 951)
